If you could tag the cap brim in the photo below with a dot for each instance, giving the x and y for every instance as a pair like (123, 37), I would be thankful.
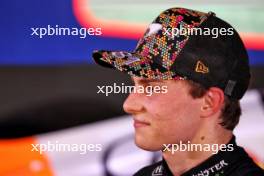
(133, 64)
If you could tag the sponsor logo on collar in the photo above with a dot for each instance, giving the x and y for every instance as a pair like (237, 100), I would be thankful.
(157, 171)
(215, 170)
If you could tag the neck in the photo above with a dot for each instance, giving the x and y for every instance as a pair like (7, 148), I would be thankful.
(182, 161)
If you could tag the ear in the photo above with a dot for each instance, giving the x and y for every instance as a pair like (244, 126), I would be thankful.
(213, 101)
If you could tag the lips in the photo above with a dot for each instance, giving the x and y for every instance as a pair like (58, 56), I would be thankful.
(140, 123)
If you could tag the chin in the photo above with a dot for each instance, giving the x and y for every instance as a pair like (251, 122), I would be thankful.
(146, 145)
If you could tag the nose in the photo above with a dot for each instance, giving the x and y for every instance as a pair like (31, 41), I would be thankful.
(133, 104)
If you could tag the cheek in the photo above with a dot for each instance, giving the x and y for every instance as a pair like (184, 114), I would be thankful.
(172, 119)
(166, 107)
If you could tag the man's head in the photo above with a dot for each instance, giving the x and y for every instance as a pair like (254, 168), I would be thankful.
(214, 72)
(179, 114)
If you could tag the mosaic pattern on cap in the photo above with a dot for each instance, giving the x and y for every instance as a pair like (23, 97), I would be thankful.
(164, 49)
(135, 65)
(156, 52)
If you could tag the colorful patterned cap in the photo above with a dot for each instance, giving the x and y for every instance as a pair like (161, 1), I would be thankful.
(187, 43)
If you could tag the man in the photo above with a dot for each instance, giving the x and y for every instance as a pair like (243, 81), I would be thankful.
(204, 65)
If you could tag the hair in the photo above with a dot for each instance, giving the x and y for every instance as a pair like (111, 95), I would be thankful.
(231, 111)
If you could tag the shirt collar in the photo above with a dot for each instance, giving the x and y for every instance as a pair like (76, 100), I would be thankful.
(216, 163)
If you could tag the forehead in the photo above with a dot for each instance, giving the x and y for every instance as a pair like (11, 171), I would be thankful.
(177, 83)
(145, 80)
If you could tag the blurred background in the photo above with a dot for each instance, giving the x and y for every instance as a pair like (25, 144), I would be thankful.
(48, 89)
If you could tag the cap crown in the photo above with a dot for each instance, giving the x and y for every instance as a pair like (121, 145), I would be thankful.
(220, 61)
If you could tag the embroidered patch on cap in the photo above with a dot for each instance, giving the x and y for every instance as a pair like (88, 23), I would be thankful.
(201, 68)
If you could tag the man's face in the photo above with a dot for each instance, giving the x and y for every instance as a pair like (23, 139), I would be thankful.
(163, 118)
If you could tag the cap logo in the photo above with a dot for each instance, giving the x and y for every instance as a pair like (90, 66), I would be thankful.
(201, 68)
(153, 29)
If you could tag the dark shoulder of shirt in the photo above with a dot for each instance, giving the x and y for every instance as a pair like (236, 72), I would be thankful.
(224, 163)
